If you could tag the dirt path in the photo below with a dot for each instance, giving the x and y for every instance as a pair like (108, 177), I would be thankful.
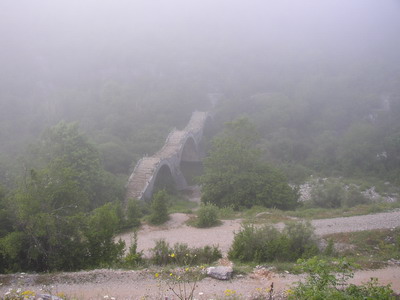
(385, 220)
(119, 284)
(175, 231)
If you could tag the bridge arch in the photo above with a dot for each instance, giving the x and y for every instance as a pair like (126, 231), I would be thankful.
(190, 150)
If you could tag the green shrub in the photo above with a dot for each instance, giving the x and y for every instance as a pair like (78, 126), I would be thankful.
(133, 213)
(159, 208)
(328, 280)
(181, 254)
(134, 258)
(334, 194)
(354, 197)
(267, 244)
(161, 253)
(328, 195)
(207, 216)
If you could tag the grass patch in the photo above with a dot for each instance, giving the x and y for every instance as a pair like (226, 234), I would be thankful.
(179, 204)
(228, 213)
(371, 249)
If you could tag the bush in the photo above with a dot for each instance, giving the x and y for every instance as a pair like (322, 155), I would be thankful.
(159, 208)
(334, 194)
(134, 258)
(182, 255)
(133, 213)
(207, 216)
(267, 244)
(328, 195)
(354, 197)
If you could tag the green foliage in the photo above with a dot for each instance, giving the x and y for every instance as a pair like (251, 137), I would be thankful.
(234, 174)
(102, 224)
(159, 208)
(328, 280)
(180, 204)
(134, 258)
(181, 254)
(133, 213)
(207, 216)
(267, 244)
(5, 214)
(333, 194)
(372, 248)
(50, 209)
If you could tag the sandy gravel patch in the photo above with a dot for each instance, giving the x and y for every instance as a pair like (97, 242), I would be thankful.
(175, 231)
(385, 220)
(135, 284)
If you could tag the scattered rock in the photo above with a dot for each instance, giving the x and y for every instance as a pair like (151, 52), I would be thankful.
(393, 261)
(220, 273)
(47, 297)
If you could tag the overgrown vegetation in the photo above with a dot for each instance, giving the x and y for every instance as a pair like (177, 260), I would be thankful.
(290, 112)
(267, 244)
(207, 216)
(329, 280)
(333, 194)
(235, 175)
(159, 208)
(370, 249)
(181, 254)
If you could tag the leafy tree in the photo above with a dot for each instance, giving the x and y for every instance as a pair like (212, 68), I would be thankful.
(133, 213)
(234, 173)
(102, 224)
(159, 209)
(64, 147)
(50, 207)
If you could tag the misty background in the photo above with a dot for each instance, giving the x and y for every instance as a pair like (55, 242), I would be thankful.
(311, 89)
(305, 72)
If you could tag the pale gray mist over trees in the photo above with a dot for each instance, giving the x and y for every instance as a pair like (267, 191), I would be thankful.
(319, 80)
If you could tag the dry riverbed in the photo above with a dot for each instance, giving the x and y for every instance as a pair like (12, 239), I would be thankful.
(120, 284)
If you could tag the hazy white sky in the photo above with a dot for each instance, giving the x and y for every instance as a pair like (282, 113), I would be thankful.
(51, 30)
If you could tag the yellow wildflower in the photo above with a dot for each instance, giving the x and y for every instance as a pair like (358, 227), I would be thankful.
(229, 292)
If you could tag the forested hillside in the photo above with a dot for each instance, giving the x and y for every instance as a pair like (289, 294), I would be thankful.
(87, 90)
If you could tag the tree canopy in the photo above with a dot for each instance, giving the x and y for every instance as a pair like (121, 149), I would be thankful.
(53, 224)
(235, 175)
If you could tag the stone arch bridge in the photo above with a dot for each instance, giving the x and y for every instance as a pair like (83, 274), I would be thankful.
(180, 146)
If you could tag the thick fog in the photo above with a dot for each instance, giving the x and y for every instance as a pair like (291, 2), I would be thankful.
(50, 39)
(58, 58)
